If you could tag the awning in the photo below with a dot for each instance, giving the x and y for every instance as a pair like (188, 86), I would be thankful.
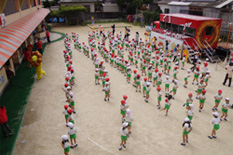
(13, 35)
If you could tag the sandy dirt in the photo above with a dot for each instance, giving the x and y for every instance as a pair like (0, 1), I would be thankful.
(99, 122)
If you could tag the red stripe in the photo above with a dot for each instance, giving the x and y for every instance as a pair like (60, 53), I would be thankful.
(8, 42)
(2, 62)
(4, 55)
(14, 29)
(7, 48)
(12, 33)
(11, 38)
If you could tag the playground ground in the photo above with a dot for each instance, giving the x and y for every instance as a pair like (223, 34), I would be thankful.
(99, 122)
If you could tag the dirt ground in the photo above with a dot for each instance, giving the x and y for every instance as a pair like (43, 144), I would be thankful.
(99, 122)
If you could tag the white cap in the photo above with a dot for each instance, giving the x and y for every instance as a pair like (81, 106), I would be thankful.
(228, 99)
(176, 81)
(207, 59)
(128, 68)
(64, 137)
(71, 94)
(167, 77)
(105, 70)
(215, 114)
(68, 87)
(188, 70)
(186, 120)
(177, 62)
(124, 124)
(70, 124)
(148, 83)
(191, 106)
(208, 71)
(96, 69)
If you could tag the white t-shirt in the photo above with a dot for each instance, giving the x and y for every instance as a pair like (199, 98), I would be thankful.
(203, 97)
(216, 120)
(65, 112)
(218, 97)
(159, 94)
(155, 75)
(186, 126)
(190, 113)
(148, 88)
(72, 131)
(122, 107)
(144, 84)
(128, 118)
(167, 82)
(225, 105)
(169, 102)
(189, 99)
(66, 145)
(124, 132)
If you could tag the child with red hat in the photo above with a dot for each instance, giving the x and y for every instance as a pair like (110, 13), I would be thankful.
(144, 87)
(128, 71)
(66, 113)
(107, 90)
(138, 83)
(159, 96)
(70, 117)
(134, 77)
(189, 100)
(175, 72)
(218, 97)
(159, 80)
(123, 110)
(148, 89)
(97, 76)
(202, 99)
(155, 77)
(167, 103)
(201, 86)
(196, 75)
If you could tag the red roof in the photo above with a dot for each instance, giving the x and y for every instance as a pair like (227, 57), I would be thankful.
(13, 35)
(192, 17)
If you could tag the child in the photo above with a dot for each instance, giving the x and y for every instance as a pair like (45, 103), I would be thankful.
(201, 86)
(65, 144)
(207, 77)
(196, 75)
(144, 87)
(150, 73)
(66, 113)
(134, 78)
(155, 77)
(167, 103)
(159, 80)
(97, 76)
(190, 112)
(167, 85)
(202, 100)
(216, 121)
(72, 134)
(107, 91)
(129, 119)
(175, 86)
(187, 128)
(183, 62)
(123, 110)
(186, 78)
(128, 74)
(189, 100)
(175, 71)
(71, 101)
(147, 91)
(103, 78)
(218, 97)
(225, 106)
(159, 96)
(70, 117)
(124, 135)
(138, 83)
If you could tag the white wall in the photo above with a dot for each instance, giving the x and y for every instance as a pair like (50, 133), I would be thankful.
(163, 7)
(110, 8)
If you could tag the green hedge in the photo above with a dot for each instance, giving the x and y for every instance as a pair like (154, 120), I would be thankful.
(150, 17)
(66, 11)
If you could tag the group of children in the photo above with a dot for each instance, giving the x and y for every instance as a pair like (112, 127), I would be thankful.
(152, 62)
(69, 109)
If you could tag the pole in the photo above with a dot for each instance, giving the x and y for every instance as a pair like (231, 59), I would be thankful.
(230, 24)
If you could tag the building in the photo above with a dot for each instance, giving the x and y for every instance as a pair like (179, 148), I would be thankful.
(19, 18)
(210, 8)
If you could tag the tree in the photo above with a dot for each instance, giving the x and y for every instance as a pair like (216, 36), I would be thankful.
(46, 4)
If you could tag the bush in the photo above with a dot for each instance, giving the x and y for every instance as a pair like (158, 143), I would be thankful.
(65, 11)
(150, 17)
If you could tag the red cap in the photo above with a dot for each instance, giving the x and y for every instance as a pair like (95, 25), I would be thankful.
(67, 78)
(72, 70)
(167, 55)
(66, 84)
(156, 70)
(160, 73)
(145, 79)
(158, 88)
(157, 52)
(220, 91)
(165, 59)
(202, 80)
(69, 68)
(166, 100)
(125, 97)
(70, 62)
(107, 79)
(104, 74)
(95, 55)
(197, 68)
(176, 67)
(190, 94)
(204, 91)
(144, 60)
(138, 75)
(70, 111)
(205, 64)
(135, 71)
(92, 49)
(184, 55)
(83, 42)
(123, 102)
(66, 106)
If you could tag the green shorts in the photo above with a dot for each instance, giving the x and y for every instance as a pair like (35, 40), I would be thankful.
(217, 101)
(134, 78)
(161, 61)
(71, 103)
(155, 78)
(224, 110)
(167, 106)
(67, 149)
(96, 77)
(138, 83)
(66, 116)
(185, 79)
(106, 93)
(190, 117)
(159, 82)
(206, 80)
(159, 98)
(149, 74)
(169, 67)
(196, 75)
(185, 132)
(167, 85)
(199, 90)
(72, 121)
(174, 75)
(96, 65)
(73, 136)
(165, 66)
(129, 75)
(144, 88)
(124, 138)
(103, 82)
(174, 90)
(202, 101)
(123, 112)
(216, 126)
(143, 68)
(157, 64)
(130, 123)
(101, 72)
(147, 92)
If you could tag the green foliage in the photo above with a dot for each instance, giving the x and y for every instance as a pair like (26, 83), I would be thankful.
(54, 13)
(150, 17)
(66, 11)
(46, 4)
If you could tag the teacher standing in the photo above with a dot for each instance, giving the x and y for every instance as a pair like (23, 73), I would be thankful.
(229, 69)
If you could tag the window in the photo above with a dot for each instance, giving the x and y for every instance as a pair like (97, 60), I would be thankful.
(180, 29)
(9, 7)
(88, 8)
(166, 10)
(209, 30)
(174, 28)
(162, 25)
(190, 31)
(168, 26)
(24, 5)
